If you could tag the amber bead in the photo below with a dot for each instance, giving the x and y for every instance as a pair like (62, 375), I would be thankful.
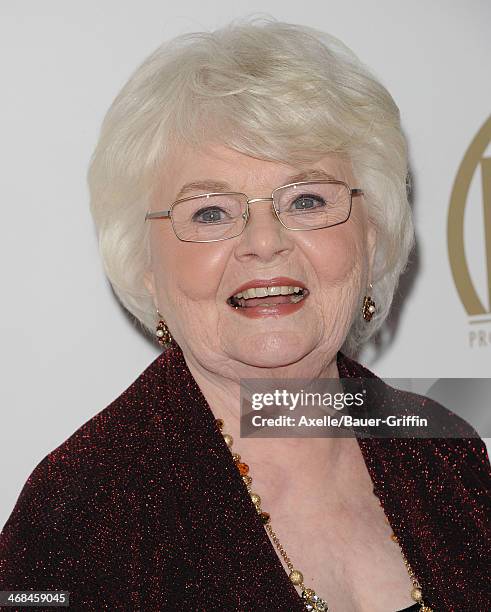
(264, 517)
(243, 468)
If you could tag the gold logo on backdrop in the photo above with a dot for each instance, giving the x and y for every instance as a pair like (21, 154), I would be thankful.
(474, 160)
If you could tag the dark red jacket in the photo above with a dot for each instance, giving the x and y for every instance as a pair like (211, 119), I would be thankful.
(142, 508)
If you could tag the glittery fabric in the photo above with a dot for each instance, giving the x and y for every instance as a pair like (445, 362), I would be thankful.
(142, 508)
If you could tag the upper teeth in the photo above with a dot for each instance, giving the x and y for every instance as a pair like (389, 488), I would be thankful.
(254, 292)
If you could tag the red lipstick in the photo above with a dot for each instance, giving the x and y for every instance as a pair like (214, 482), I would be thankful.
(278, 281)
(269, 306)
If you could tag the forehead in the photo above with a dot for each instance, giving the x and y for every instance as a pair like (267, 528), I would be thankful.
(216, 167)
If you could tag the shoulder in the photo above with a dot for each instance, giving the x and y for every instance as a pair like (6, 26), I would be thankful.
(454, 443)
(111, 439)
(82, 493)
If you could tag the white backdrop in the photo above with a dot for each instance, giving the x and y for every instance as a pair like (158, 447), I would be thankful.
(68, 348)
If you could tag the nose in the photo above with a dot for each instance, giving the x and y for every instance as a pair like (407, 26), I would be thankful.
(263, 236)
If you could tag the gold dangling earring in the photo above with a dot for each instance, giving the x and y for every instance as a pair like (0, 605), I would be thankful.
(368, 306)
(162, 332)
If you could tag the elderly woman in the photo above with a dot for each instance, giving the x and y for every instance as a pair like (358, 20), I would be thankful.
(250, 195)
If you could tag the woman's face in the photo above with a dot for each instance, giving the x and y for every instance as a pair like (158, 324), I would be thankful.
(191, 282)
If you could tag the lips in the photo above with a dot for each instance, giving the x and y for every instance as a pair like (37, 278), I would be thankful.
(269, 296)
(278, 281)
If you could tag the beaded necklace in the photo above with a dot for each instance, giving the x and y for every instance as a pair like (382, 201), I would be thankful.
(311, 600)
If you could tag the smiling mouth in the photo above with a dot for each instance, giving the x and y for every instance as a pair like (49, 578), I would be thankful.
(268, 296)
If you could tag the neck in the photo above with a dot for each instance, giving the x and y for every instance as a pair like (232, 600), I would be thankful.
(269, 459)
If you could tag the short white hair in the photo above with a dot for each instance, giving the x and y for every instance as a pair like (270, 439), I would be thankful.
(274, 90)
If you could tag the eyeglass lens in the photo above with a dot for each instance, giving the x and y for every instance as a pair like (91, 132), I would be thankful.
(302, 207)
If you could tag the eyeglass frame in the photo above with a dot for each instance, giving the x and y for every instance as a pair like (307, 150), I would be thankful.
(164, 214)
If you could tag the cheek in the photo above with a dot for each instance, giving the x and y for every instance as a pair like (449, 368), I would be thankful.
(187, 270)
(336, 255)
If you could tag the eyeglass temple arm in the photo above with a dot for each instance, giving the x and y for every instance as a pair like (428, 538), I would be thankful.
(355, 192)
(157, 215)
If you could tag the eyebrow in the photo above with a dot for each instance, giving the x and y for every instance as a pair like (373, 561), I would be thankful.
(210, 185)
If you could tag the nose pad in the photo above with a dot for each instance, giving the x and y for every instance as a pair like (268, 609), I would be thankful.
(262, 236)
(260, 216)
(247, 213)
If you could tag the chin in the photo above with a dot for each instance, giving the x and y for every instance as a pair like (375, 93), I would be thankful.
(270, 350)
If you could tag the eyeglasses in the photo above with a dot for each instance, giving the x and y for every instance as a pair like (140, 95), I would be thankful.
(307, 205)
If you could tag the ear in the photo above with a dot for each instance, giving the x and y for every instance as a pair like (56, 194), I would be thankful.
(371, 246)
(149, 282)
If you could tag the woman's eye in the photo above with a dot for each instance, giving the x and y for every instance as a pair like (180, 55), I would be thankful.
(209, 215)
(308, 202)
